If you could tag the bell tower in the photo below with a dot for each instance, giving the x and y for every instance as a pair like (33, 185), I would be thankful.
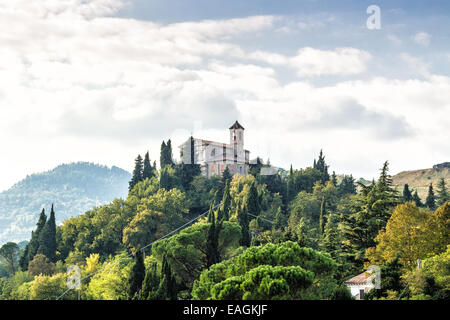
(237, 141)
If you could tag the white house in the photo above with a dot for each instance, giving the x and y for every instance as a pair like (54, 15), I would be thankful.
(213, 157)
(360, 285)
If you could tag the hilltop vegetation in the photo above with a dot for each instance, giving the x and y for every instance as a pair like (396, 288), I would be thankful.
(420, 179)
(180, 235)
(72, 188)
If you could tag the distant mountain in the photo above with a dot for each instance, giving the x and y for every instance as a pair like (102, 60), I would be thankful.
(73, 188)
(421, 179)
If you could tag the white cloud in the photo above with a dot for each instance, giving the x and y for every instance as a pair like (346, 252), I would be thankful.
(76, 84)
(422, 38)
(341, 61)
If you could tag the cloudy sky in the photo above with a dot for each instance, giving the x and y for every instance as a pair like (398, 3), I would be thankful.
(104, 80)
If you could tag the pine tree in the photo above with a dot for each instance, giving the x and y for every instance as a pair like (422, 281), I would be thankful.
(416, 199)
(137, 173)
(443, 194)
(47, 238)
(430, 201)
(137, 275)
(407, 196)
(148, 170)
(243, 222)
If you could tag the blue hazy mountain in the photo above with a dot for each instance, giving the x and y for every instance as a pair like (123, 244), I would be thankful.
(73, 188)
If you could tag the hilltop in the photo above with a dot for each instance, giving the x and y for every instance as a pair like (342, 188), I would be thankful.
(73, 188)
(421, 179)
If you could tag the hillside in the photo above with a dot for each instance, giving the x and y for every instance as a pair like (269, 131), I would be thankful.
(73, 188)
(421, 179)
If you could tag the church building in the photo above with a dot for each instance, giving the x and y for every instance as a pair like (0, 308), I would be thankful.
(213, 157)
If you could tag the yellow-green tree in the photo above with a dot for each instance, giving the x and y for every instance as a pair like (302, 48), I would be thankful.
(411, 233)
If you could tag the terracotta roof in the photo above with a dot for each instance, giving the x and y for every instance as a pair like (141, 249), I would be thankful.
(360, 278)
(237, 125)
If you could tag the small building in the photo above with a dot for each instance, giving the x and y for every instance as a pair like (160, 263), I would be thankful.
(360, 285)
(213, 157)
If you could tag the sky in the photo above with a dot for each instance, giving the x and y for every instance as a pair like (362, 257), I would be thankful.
(105, 80)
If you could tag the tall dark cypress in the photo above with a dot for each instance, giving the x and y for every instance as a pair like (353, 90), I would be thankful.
(322, 167)
(322, 215)
(33, 245)
(137, 172)
(150, 284)
(162, 155)
(407, 196)
(226, 201)
(148, 170)
(253, 205)
(443, 194)
(243, 222)
(430, 201)
(212, 242)
(167, 287)
(47, 238)
(137, 275)
(416, 199)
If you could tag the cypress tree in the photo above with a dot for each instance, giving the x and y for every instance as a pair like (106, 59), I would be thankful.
(150, 284)
(167, 289)
(47, 238)
(148, 170)
(443, 195)
(322, 215)
(226, 201)
(334, 179)
(212, 242)
(252, 205)
(430, 201)
(137, 172)
(243, 222)
(322, 167)
(33, 246)
(290, 192)
(162, 155)
(137, 275)
(417, 200)
(407, 196)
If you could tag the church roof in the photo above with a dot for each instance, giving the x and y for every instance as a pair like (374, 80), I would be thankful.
(237, 125)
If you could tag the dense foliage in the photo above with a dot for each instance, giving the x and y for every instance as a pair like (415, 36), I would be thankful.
(286, 235)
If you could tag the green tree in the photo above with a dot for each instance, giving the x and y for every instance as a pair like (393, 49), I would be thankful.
(148, 170)
(443, 194)
(47, 238)
(322, 167)
(33, 246)
(137, 275)
(417, 200)
(226, 201)
(41, 265)
(430, 201)
(281, 271)
(9, 251)
(137, 172)
(407, 196)
(244, 223)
